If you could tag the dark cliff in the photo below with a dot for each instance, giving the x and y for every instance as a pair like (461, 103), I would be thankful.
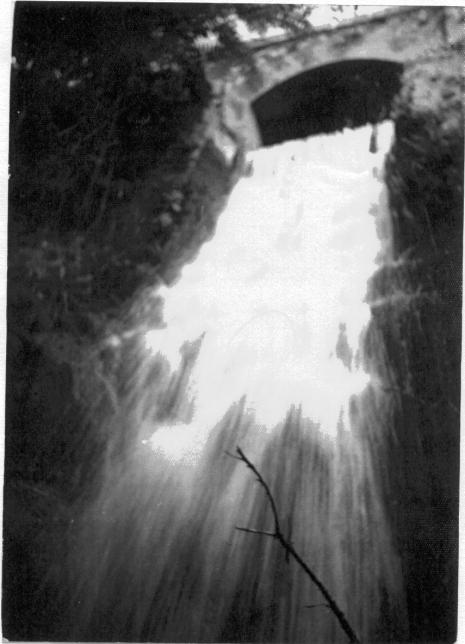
(416, 338)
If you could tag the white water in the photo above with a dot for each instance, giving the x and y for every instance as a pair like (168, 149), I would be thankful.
(288, 264)
(157, 553)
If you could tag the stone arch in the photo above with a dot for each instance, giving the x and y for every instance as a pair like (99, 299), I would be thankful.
(397, 36)
(327, 98)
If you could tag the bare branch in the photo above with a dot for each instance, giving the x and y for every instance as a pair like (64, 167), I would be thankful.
(290, 551)
(263, 483)
(252, 531)
(237, 458)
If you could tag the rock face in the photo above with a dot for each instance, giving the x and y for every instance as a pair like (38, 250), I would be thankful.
(417, 327)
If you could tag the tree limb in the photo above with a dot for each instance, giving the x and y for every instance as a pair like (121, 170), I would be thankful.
(288, 547)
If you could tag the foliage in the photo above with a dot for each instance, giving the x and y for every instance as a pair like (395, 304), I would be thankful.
(425, 169)
(104, 100)
(101, 91)
(107, 102)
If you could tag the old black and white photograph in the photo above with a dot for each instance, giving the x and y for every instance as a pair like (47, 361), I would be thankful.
(233, 323)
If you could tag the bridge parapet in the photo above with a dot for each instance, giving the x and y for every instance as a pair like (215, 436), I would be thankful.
(405, 36)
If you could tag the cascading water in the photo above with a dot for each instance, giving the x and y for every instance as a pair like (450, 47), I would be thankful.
(262, 347)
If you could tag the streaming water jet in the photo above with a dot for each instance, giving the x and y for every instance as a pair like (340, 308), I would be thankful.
(262, 346)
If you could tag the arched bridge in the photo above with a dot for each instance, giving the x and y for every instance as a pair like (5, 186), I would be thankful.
(328, 78)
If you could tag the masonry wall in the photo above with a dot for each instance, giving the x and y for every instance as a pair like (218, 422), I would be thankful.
(402, 36)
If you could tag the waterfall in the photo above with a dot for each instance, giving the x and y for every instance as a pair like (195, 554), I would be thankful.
(262, 346)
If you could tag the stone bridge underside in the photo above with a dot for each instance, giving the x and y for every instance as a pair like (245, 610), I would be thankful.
(325, 99)
(328, 78)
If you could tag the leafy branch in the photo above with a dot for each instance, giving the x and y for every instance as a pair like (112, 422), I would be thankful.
(278, 534)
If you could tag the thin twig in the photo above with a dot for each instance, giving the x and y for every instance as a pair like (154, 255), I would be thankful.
(233, 456)
(260, 479)
(279, 536)
(252, 531)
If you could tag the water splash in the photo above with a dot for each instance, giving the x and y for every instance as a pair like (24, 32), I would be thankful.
(261, 347)
(277, 295)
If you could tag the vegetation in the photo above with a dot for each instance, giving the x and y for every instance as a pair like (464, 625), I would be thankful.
(112, 178)
(111, 175)
(104, 102)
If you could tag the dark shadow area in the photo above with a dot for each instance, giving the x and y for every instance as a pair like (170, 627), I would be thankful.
(326, 99)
